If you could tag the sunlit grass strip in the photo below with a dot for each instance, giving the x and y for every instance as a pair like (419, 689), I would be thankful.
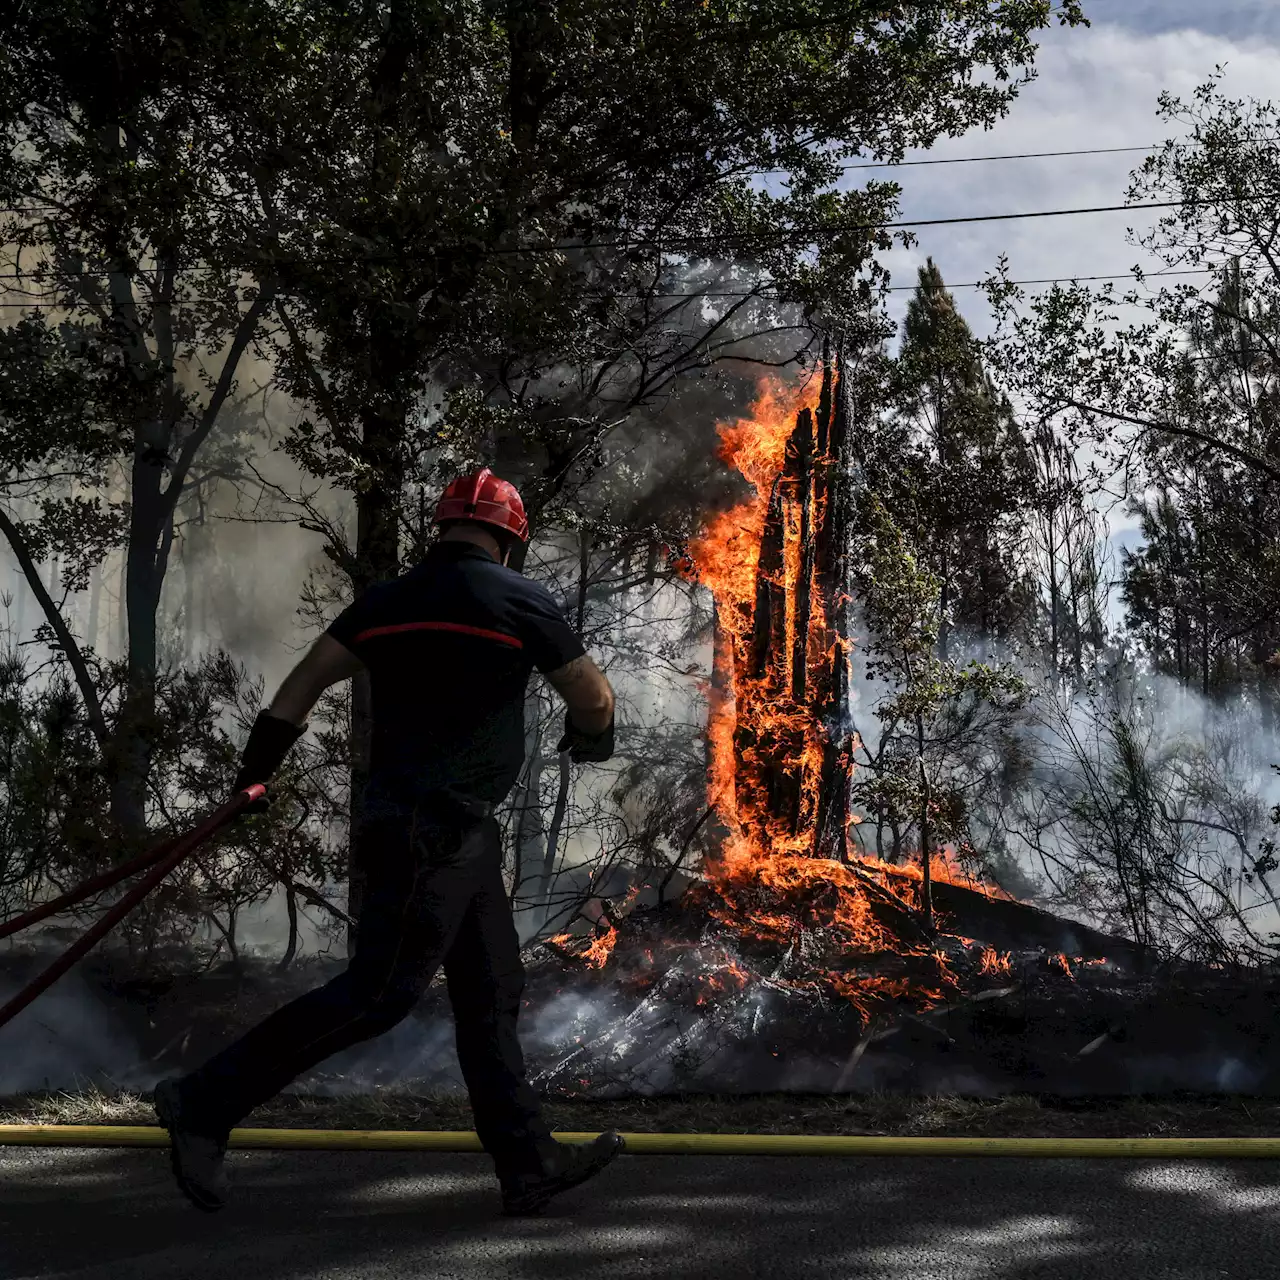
(671, 1144)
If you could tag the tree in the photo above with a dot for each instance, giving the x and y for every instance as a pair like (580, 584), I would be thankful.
(956, 469)
(1204, 588)
(1147, 821)
(113, 202)
(494, 232)
(1067, 561)
(930, 708)
(1126, 388)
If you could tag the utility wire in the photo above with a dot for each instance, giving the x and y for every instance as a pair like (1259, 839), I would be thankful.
(802, 234)
(1015, 155)
(1018, 155)
(904, 164)
(870, 164)
(765, 297)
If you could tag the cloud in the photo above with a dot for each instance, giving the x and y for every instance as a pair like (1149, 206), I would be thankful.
(1096, 88)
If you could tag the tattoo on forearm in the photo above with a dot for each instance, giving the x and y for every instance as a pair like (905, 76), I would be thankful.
(575, 670)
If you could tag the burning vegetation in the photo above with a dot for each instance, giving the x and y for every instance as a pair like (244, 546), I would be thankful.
(792, 937)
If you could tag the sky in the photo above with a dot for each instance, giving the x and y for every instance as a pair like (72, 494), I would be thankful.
(1097, 87)
(1235, 19)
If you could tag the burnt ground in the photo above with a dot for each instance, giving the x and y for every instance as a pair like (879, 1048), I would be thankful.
(686, 1026)
(684, 1002)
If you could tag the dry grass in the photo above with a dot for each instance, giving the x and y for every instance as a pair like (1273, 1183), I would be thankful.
(1014, 1116)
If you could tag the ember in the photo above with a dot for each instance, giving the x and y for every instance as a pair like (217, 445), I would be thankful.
(595, 954)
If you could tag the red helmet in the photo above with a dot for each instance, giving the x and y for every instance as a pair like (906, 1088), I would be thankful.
(482, 497)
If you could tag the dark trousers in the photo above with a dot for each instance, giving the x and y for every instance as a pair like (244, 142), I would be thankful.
(434, 895)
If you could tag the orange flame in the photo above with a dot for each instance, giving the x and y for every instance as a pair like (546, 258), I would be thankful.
(726, 557)
(767, 882)
(595, 954)
(766, 732)
(601, 948)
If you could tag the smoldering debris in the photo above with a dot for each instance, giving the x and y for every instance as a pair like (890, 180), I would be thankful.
(681, 1002)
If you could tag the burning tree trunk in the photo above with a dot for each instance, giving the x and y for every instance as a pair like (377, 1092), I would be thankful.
(788, 645)
(833, 571)
(787, 915)
(802, 441)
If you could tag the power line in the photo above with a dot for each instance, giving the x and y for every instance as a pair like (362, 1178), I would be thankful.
(1010, 217)
(847, 168)
(1013, 155)
(1017, 155)
(803, 234)
(754, 293)
(904, 164)
(1127, 275)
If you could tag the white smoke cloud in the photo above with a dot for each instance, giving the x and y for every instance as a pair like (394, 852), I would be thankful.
(68, 1039)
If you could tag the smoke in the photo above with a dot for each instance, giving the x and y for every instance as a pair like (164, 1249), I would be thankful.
(68, 1039)
(1128, 773)
(583, 1040)
(234, 584)
(1140, 772)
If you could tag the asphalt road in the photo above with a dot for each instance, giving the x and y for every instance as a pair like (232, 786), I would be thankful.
(114, 1215)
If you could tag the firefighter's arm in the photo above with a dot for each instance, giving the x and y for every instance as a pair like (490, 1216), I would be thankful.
(586, 693)
(282, 723)
(325, 664)
(588, 725)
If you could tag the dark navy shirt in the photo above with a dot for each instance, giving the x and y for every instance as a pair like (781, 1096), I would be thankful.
(450, 647)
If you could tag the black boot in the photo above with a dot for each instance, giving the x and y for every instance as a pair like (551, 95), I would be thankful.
(528, 1192)
(195, 1153)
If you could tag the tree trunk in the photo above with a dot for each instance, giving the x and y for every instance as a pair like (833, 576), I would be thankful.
(57, 623)
(527, 838)
(770, 612)
(831, 571)
(944, 600)
(95, 609)
(547, 879)
(145, 557)
(566, 772)
(291, 946)
(822, 427)
(926, 835)
(392, 353)
(803, 438)
(377, 559)
(188, 596)
(122, 611)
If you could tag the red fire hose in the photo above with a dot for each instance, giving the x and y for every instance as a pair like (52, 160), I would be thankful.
(158, 862)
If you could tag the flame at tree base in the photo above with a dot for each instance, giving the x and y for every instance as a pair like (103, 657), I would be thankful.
(779, 732)
(793, 901)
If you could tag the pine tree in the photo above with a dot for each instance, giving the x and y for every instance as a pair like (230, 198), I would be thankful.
(955, 467)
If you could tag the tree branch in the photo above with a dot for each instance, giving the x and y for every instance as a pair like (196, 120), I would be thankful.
(70, 646)
(1188, 433)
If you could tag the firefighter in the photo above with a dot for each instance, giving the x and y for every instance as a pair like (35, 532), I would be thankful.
(449, 648)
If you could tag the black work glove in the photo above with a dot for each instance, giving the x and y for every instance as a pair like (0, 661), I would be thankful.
(269, 742)
(586, 748)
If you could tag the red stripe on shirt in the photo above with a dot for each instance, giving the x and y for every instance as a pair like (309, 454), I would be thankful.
(458, 627)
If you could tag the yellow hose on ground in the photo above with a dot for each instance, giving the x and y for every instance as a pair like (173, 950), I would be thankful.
(666, 1144)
